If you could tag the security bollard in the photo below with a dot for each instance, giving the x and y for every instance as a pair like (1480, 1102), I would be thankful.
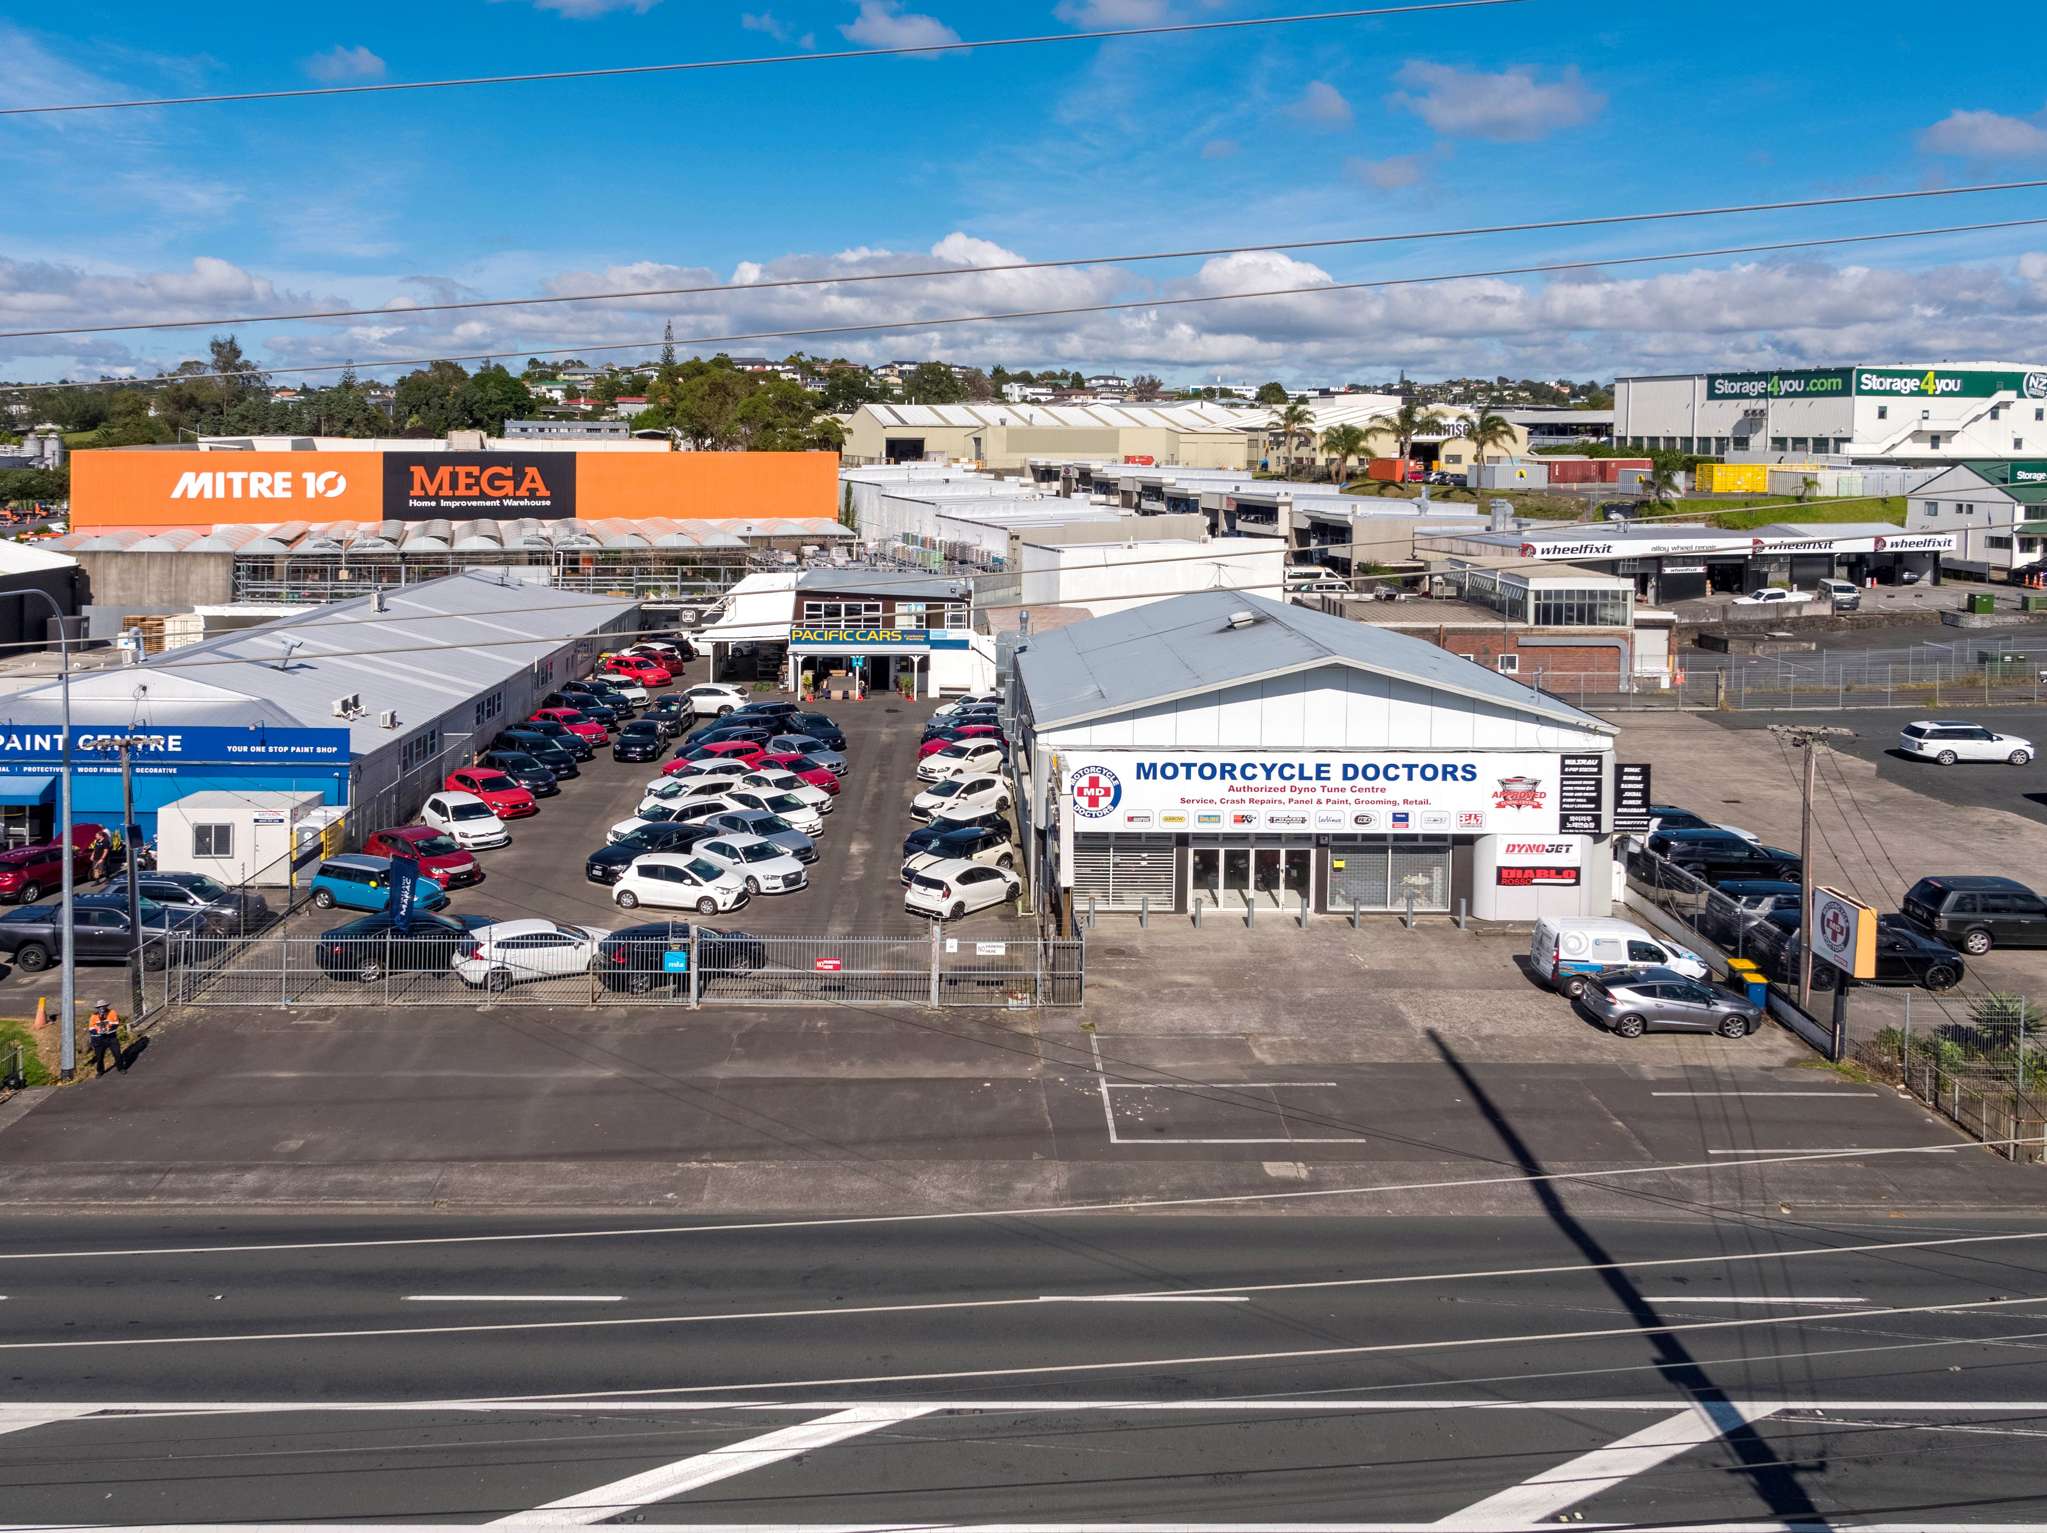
(1410, 910)
(1197, 912)
(1463, 920)
(1143, 911)
(1356, 914)
(1090, 912)
(1302, 919)
(1250, 910)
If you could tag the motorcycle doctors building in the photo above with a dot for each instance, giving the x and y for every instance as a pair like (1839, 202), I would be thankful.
(1238, 751)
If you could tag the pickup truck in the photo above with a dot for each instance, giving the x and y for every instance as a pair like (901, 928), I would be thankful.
(1772, 596)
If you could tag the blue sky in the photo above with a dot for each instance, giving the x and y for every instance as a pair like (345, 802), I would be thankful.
(1548, 109)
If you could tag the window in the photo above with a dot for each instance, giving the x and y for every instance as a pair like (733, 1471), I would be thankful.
(1646, 952)
(543, 672)
(1997, 412)
(1801, 444)
(1581, 608)
(1932, 509)
(1994, 541)
(833, 614)
(419, 750)
(1508, 665)
(1464, 655)
(213, 840)
(2018, 444)
(488, 708)
(1780, 444)
(1934, 442)
(1883, 412)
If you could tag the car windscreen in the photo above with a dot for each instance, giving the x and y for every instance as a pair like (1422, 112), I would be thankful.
(435, 846)
(704, 869)
(947, 788)
(784, 803)
(926, 881)
(494, 782)
(469, 811)
(760, 851)
(207, 889)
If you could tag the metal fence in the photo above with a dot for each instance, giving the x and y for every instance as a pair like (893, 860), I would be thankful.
(1985, 1101)
(688, 969)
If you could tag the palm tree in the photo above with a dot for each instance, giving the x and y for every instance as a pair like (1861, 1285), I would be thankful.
(1659, 485)
(1404, 424)
(1342, 443)
(1293, 421)
(1488, 431)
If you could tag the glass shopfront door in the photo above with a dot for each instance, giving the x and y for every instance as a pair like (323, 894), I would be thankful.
(1264, 873)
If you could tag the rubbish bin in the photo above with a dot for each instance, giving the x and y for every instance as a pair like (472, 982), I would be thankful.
(1982, 601)
(1743, 974)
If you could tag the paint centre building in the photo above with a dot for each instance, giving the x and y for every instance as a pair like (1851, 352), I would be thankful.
(1236, 751)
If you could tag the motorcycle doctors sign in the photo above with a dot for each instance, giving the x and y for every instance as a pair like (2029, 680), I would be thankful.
(1238, 793)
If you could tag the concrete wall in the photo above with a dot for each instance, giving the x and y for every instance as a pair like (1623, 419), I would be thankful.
(157, 582)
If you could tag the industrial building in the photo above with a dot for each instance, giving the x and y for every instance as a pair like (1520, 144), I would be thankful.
(1994, 513)
(1913, 413)
(1008, 436)
(1236, 753)
(1443, 445)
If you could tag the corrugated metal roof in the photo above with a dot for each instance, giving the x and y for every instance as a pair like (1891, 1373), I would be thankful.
(1188, 417)
(1181, 644)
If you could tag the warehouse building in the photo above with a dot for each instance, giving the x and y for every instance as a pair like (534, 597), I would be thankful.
(1994, 513)
(1235, 752)
(1913, 413)
(1007, 436)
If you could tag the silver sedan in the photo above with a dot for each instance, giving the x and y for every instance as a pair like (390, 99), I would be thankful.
(1631, 1002)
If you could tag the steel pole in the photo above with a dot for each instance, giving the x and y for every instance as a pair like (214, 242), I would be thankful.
(128, 840)
(1805, 875)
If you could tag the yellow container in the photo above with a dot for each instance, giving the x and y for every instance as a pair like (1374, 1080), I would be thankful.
(1734, 478)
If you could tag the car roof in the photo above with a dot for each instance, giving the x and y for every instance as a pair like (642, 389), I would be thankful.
(523, 927)
(359, 860)
(457, 796)
(1973, 882)
(406, 833)
(1654, 973)
(1758, 886)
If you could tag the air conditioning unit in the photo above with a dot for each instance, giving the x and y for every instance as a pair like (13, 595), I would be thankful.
(388, 719)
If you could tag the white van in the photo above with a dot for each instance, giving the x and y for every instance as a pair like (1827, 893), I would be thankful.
(1844, 594)
(1568, 949)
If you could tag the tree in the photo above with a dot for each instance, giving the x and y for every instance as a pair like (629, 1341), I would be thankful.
(429, 401)
(1659, 485)
(847, 388)
(978, 386)
(236, 372)
(1270, 394)
(668, 344)
(1490, 430)
(1404, 424)
(1293, 421)
(1146, 387)
(1342, 443)
(933, 383)
(492, 397)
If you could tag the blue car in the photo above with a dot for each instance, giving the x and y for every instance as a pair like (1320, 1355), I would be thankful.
(358, 881)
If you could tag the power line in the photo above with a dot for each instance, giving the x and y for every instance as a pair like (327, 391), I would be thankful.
(1532, 227)
(1067, 310)
(1105, 34)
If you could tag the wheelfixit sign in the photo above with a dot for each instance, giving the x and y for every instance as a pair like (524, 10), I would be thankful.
(1421, 793)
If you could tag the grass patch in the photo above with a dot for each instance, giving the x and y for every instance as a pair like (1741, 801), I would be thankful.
(1742, 512)
(33, 1065)
(1533, 503)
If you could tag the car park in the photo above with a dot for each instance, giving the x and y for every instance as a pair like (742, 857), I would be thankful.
(972, 843)
(604, 865)
(769, 779)
(640, 740)
(764, 867)
(1904, 955)
(368, 949)
(359, 881)
(1976, 912)
(832, 761)
(505, 798)
(32, 936)
(557, 758)
(961, 757)
(955, 797)
(635, 961)
(564, 737)
(681, 881)
(928, 837)
(709, 699)
(576, 722)
(224, 908)
(768, 801)
(507, 953)
(439, 855)
(525, 769)
(769, 827)
(1631, 1002)
(1949, 741)
(465, 817)
(1567, 951)
(947, 890)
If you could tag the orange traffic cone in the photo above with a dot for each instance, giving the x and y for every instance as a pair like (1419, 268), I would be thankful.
(42, 1011)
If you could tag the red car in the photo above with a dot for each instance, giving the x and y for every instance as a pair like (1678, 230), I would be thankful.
(728, 750)
(799, 765)
(940, 741)
(30, 872)
(646, 672)
(504, 797)
(438, 855)
(576, 724)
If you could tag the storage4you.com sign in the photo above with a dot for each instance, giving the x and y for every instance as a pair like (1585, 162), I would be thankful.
(1434, 793)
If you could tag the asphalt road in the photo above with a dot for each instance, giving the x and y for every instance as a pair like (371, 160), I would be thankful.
(1061, 1371)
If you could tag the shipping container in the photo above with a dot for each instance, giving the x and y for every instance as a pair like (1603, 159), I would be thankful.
(1512, 474)
(1393, 470)
(1573, 470)
(1734, 478)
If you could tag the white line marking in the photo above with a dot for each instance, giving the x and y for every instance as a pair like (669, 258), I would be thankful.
(960, 1215)
(1143, 1298)
(1804, 1298)
(1835, 1525)
(21, 1418)
(636, 1491)
(1209, 1085)
(514, 1298)
(1788, 1152)
(1543, 1496)
(1867, 1096)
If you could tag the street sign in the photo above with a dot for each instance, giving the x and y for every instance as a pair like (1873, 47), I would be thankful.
(675, 961)
(829, 965)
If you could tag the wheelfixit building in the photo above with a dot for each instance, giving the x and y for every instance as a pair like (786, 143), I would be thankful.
(1232, 751)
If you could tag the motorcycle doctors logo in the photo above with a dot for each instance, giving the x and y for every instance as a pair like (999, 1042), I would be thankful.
(1518, 793)
(1834, 926)
(1096, 792)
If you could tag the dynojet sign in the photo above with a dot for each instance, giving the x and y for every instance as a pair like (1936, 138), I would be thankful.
(1369, 793)
(422, 486)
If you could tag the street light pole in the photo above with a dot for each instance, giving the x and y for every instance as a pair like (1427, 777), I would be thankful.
(1810, 738)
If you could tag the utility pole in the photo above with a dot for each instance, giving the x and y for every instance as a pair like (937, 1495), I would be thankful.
(129, 844)
(1811, 739)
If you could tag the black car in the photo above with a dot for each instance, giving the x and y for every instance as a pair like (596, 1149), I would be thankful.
(634, 959)
(925, 837)
(227, 910)
(579, 694)
(640, 740)
(818, 726)
(1669, 817)
(1904, 956)
(711, 734)
(1713, 856)
(963, 841)
(671, 713)
(33, 937)
(591, 708)
(765, 710)
(1743, 902)
(533, 743)
(369, 949)
(1977, 912)
(524, 769)
(564, 737)
(606, 863)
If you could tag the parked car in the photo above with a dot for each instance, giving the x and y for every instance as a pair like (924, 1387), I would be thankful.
(1712, 856)
(725, 732)
(747, 751)
(636, 668)
(439, 855)
(960, 758)
(1845, 595)
(1772, 596)
(593, 694)
(1948, 741)
(640, 740)
(796, 765)
(589, 705)
(818, 726)
(729, 768)
(1631, 1002)
(504, 797)
(809, 745)
(929, 837)
(772, 712)
(680, 881)
(370, 948)
(556, 758)
(1977, 911)
(966, 726)
(359, 881)
(970, 701)
(27, 873)
(1568, 951)
(1670, 817)
(625, 686)
(1904, 956)
(667, 804)
(465, 817)
(633, 959)
(769, 801)
(769, 779)
(936, 740)
(507, 953)
(762, 866)
(661, 652)
(32, 936)
(604, 865)
(957, 797)
(224, 908)
(564, 737)
(576, 722)
(1743, 902)
(947, 890)
(769, 827)
(708, 699)
(669, 714)
(525, 769)
(970, 843)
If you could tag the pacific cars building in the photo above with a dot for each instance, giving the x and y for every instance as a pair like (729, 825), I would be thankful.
(1236, 751)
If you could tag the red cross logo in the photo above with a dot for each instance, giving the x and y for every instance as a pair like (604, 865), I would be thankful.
(1092, 792)
(1096, 791)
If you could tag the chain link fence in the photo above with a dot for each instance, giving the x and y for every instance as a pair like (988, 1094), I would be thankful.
(1969, 672)
(1986, 1073)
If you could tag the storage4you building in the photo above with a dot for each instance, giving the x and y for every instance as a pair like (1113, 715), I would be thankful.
(1238, 751)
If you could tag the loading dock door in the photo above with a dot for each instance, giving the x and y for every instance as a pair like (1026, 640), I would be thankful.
(1378, 871)
(1119, 871)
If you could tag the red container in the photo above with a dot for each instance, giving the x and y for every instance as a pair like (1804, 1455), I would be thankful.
(1392, 470)
(1574, 470)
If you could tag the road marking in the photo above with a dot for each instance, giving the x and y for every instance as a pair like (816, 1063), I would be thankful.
(1208, 1085)
(962, 1215)
(1788, 1152)
(1681, 1298)
(635, 1491)
(1143, 1298)
(1867, 1096)
(21, 1418)
(1542, 1496)
(514, 1298)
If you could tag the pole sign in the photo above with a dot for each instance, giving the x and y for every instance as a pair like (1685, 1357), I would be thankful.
(1631, 797)
(404, 892)
(1844, 933)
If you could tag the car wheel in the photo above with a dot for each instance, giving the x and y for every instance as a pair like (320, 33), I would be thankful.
(1002, 806)
(639, 983)
(1825, 977)
(1573, 986)
(1947, 758)
(1629, 1027)
(323, 899)
(1733, 1027)
(1941, 977)
(958, 909)
(500, 980)
(707, 906)
(1005, 862)
(626, 899)
(753, 886)
(2019, 758)
(32, 957)
(1976, 943)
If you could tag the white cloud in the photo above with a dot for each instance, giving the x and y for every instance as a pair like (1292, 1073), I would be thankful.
(1112, 13)
(1988, 136)
(1323, 105)
(1388, 174)
(765, 21)
(583, 10)
(885, 24)
(1510, 107)
(341, 65)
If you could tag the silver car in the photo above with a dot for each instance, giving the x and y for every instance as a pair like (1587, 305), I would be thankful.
(769, 827)
(805, 745)
(1630, 1002)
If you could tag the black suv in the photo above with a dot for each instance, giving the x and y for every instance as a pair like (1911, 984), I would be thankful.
(1715, 856)
(1904, 955)
(525, 769)
(818, 726)
(582, 694)
(369, 949)
(928, 838)
(533, 743)
(641, 740)
(1977, 912)
(633, 958)
(32, 935)
(564, 737)
(235, 911)
(671, 713)
(592, 708)
(607, 862)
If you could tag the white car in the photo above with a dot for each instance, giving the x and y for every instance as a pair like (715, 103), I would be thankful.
(720, 769)
(961, 756)
(978, 699)
(713, 699)
(791, 808)
(769, 827)
(1950, 740)
(673, 792)
(774, 780)
(679, 881)
(763, 866)
(466, 818)
(958, 798)
(1772, 596)
(996, 851)
(625, 687)
(689, 808)
(949, 889)
(507, 953)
